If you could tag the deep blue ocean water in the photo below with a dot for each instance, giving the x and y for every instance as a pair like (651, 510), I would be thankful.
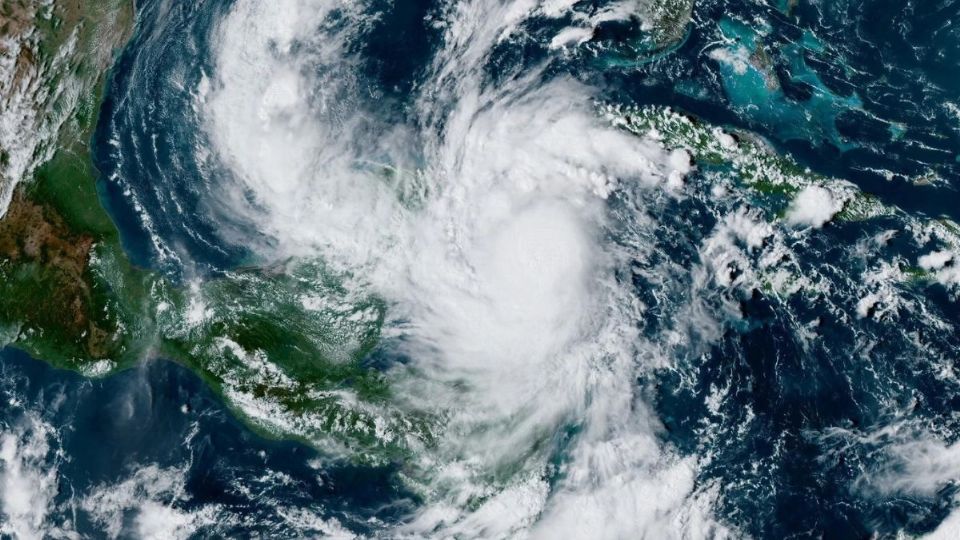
(162, 416)
(856, 96)
(861, 93)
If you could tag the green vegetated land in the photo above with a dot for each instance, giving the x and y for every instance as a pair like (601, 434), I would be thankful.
(284, 346)
(51, 303)
(70, 296)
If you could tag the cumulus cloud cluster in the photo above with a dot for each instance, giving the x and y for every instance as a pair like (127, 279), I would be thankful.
(486, 238)
(813, 207)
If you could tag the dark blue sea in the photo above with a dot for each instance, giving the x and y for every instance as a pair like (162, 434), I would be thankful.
(805, 419)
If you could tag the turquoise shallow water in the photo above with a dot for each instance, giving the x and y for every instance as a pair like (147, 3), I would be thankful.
(805, 417)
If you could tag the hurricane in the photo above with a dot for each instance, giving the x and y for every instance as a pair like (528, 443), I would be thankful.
(514, 269)
(478, 215)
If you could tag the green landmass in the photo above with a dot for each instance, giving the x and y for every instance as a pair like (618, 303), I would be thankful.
(284, 346)
(70, 296)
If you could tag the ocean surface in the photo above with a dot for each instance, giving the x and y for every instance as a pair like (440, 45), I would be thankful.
(730, 374)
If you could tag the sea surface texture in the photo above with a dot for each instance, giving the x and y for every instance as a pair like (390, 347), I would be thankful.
(596, 269)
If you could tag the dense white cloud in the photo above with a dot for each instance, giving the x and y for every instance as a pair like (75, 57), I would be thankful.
(813, 207)
(485, 236)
